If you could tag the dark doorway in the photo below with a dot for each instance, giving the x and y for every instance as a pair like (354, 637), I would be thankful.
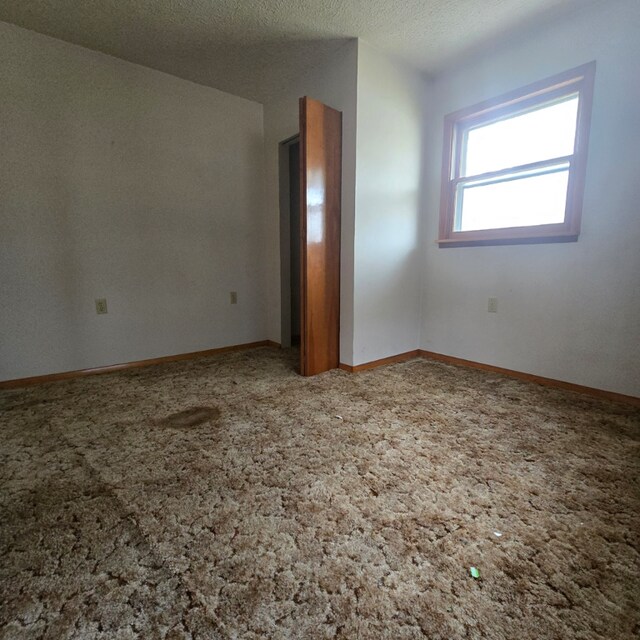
(290, 238)
(294, 235)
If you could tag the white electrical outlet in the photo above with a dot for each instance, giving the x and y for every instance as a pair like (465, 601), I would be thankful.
(492, 307)
(101, 305)
(233, 297)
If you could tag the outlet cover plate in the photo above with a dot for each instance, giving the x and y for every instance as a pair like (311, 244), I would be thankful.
(101, 306)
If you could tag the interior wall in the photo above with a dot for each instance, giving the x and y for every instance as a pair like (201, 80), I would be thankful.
(331, 80)
(123, 183)
(565, 311)
(390, 119)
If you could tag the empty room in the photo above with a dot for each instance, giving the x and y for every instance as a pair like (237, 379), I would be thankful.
(320, 319)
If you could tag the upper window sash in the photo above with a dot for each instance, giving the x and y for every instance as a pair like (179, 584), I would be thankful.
(539, 149)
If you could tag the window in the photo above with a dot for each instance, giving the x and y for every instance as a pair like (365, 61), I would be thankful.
(513, 168)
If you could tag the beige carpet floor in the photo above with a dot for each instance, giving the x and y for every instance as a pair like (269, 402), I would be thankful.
(230, 498)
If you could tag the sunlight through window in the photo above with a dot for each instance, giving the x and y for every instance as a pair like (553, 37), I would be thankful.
(515, 165)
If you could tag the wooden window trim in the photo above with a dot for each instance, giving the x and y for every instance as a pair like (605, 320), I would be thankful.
(579, 80)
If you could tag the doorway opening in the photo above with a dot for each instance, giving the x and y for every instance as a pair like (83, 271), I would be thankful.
(290, 242)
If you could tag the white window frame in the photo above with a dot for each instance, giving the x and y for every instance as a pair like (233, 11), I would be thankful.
(575, 81)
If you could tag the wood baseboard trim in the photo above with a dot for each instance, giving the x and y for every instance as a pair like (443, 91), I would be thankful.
(529, 377)
(401, 357)
(65, 375)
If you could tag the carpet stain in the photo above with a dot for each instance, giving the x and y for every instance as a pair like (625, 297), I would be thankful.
(190, 417)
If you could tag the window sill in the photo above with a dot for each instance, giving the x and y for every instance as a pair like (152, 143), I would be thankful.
(478, 239)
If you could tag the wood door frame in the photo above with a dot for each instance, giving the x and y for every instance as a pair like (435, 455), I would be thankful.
(285, 239)
(320, 282)
(320, 145)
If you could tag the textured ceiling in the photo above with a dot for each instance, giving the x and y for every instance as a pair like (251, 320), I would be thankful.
(249, 48)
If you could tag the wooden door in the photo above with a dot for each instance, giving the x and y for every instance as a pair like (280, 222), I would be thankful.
(320, 194)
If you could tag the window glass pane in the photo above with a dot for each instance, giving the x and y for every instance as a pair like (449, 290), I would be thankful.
(541, 134)
(527, 201)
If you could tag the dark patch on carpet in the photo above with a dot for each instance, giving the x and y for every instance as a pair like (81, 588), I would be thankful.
(190, 417)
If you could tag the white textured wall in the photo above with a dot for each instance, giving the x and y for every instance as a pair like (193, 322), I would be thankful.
(331, 80)
(566, 311)
(121, 182)
(388, 207)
